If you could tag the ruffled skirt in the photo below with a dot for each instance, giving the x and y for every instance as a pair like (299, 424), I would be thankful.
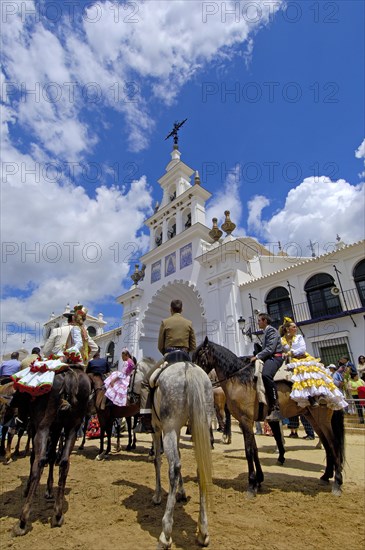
(117, 388)
(38, 378)
(311, 380)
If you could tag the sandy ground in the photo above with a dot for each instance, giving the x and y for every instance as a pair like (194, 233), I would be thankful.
(108, 504)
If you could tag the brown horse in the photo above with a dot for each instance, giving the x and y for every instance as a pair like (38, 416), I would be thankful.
(111, 412)
(237, 380)
(221, 410)
(47, 423)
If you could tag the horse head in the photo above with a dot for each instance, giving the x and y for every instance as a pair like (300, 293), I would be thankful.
(203, 356)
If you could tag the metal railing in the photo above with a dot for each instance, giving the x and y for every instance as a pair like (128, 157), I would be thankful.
(355, 414)
(349, 303)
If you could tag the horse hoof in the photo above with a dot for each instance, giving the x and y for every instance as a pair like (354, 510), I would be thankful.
(8, 461)
(181, 497)
(324, 480)
(57, 522)
(100, 457)
(128, 448)
(163, 543)
(203, 540)
(19, 531)
(81, 448)
(281, 460)
(251, 494)
(156, 500)
(336, 490)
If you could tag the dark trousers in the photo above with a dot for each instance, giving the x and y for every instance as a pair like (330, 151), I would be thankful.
(294, 424)
(271, 366)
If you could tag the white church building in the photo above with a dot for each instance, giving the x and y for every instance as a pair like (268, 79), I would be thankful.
(224, 281)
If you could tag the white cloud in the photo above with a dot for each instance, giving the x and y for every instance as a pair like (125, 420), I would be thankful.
(360, 154)
(318, 210)
(154, 46)
(360, 151)
(255, 208)
(227, 199)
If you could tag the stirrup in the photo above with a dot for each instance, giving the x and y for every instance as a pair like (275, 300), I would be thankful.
(274, 416)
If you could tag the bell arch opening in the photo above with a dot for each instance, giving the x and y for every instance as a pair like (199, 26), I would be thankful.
(159, 308)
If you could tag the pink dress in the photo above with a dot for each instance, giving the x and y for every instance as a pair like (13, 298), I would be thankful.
(117, 384)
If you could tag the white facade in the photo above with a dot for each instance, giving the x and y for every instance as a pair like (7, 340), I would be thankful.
(221, 280)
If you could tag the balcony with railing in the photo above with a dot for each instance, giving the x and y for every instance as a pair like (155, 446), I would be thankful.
(346, 303)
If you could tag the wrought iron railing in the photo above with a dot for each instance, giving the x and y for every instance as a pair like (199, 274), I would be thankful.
(350, 303)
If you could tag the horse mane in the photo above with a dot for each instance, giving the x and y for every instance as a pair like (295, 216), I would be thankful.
(229, 363)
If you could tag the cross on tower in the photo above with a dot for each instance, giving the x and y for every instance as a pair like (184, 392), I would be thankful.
(174, 132)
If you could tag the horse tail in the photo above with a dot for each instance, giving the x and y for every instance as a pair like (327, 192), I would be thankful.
(71, 386)
(200, 428)
(338, 427)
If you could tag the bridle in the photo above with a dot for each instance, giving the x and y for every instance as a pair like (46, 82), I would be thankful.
(204, 363)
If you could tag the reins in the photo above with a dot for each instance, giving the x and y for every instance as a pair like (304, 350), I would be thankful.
(231, 375)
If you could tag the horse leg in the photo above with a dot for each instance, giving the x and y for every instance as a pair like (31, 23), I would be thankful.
(3, 438)
(40, 447)
(171, 451)
(84, 430)
(278, 436)
(156, 499)
(255, 477)
(180, 493)
(219, 412)
(129, 426)
(70, 438)
(101, 446)
(8, 458)
(331, 434)
(134, 435)
(17, 446)
(52, 453)
(227, 430)
(203, 535)
(117, 429)
(109, 429)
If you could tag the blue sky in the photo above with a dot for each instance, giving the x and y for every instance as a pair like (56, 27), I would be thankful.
(273, 93)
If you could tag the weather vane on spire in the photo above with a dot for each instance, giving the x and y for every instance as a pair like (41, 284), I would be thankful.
(174, 132)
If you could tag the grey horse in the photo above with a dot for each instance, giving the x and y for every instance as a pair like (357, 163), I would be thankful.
(184, 394)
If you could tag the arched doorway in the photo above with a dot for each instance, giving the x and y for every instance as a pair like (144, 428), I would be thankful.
(159, 308)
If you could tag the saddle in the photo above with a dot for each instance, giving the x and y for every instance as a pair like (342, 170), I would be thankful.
(176, 356)
(282, 375)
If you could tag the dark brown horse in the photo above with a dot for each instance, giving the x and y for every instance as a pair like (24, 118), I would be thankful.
(47, 423)
(237, 380)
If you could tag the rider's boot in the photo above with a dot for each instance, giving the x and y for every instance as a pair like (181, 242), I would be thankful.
(273, 402)
(313, 402)
(274, 415)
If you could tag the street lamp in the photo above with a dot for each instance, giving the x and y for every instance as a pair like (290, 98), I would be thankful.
(241, 323)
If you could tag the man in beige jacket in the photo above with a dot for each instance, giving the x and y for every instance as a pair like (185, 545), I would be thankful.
(176, 333)
(57, 339)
